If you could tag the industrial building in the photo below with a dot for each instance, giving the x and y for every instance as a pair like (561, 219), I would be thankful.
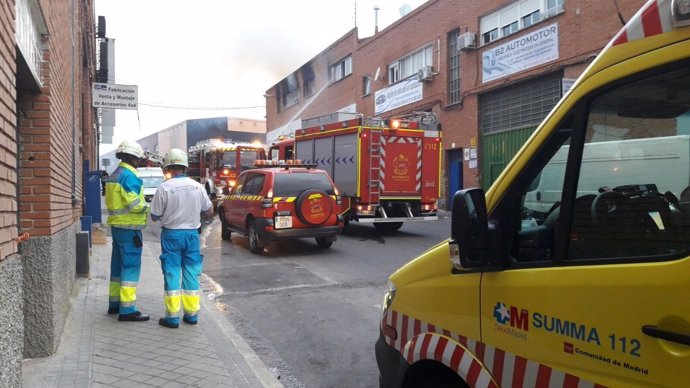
(189, 132)
(489, 70)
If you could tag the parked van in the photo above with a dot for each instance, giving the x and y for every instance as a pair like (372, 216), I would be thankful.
(152, 177)
(586, 286)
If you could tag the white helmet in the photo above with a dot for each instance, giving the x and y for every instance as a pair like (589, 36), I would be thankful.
(175, 157)
(131, 148)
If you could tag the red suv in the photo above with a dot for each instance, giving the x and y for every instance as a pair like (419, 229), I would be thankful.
(277, 203)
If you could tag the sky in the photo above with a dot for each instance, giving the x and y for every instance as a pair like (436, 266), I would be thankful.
(216, 58)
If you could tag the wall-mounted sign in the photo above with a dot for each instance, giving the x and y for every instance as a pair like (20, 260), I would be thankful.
(527, 51)
(566, 84)
(114, 96)
(402, 93)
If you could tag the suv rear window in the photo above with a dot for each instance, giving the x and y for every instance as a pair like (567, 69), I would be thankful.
(290, 185)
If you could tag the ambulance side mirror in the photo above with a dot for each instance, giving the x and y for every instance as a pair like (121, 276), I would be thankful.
(469, 229)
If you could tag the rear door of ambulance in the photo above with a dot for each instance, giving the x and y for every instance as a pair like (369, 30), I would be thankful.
(594, 291)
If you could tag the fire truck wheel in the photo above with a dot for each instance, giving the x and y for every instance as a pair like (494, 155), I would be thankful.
(387, 226)
(313, 207)
(324, 242)
(255, 245)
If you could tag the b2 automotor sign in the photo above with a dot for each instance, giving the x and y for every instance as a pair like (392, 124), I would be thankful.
(527, 51)
(113, 96)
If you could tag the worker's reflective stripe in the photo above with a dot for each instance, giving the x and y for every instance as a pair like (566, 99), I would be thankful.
(172, 304)
(190, 301)
(114, 290)
(134, 203)
(124, 305)
(117, 212)
(128, 293)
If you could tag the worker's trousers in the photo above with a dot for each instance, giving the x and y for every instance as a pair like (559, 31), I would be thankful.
(125, 267)
(181, 262)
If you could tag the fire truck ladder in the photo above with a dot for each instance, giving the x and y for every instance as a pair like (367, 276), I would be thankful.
(374, 166)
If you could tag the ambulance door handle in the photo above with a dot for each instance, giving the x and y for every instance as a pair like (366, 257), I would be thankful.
(654, 331)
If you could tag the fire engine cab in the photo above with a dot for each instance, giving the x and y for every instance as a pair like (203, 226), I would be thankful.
(216, 163)
(387, 170)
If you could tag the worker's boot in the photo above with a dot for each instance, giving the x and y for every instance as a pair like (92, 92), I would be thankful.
(133, 317)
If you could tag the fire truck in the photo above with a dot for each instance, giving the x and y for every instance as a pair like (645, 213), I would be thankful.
(217, 163)
(151, 159)
(386, 170)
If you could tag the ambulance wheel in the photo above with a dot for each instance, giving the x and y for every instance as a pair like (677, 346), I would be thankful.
(314, 207)
(387, 226)
(432, 375)
(254, 243)
(324, 242)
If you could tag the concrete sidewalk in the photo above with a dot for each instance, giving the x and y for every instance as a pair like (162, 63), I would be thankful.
(96, 350)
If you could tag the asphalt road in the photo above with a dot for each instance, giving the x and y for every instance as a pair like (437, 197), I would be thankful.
(312, 315)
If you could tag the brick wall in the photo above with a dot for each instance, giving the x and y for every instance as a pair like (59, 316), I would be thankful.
(55, 132)
(8, 119)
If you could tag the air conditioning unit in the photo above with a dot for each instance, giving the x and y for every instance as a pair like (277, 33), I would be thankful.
(467, 41)
(425, 74)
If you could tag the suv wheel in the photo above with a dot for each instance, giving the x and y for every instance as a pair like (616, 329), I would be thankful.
(324, 242)
(225, 233)
(254, 244)
(314, 207)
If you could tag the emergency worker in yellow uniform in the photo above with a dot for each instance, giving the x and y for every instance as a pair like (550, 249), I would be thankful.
(127, 212)
(178, 204)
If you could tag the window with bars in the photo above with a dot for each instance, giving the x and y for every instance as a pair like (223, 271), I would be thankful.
(454, 95)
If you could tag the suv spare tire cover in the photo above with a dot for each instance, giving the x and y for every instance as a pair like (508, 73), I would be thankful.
(313, 207)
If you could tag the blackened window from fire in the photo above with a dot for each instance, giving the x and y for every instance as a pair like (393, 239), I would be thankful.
(454, 96)
(307, 80)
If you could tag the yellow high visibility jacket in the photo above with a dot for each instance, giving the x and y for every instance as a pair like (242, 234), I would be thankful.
(124, 198)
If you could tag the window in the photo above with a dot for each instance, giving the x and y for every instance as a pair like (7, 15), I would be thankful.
(453, 68)
(615, 185)
(509, 29)
(341, 69)
(308, 88)
(512, 18)
(366, 86)
(410, 65)
(253, 184)
(291, 185)
(530, 19)
(490, 36)
(307, 80)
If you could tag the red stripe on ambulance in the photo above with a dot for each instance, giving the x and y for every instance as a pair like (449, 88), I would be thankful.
(479, 364)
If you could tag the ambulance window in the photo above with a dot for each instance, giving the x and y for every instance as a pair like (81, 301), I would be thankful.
(541, 198)
(634, 169)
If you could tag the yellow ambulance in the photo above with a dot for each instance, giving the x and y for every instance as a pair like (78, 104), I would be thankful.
(573, 269)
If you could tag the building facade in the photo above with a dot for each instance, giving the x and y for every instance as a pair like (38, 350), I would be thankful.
(48, 135)
(490, 71)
